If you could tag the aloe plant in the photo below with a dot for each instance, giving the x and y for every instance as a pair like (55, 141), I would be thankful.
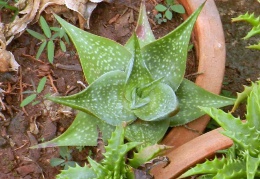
(254, 22)
(243, 158)
(114, 164)
(141, 83)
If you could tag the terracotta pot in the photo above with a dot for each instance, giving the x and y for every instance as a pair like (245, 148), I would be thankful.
(193, 152)
(210, 50)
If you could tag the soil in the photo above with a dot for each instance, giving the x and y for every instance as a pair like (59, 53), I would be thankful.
(24, 127)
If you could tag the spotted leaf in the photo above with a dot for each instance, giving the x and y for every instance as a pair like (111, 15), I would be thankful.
(82, 132)
(166, 57)
(104, 98)
(147, 132)
(191, 96)
(143, 30)
(98, 55)
(138, 74)
(163, 103)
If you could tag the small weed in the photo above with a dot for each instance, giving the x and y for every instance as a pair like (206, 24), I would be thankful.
(34, 93)
(47, 40)
(165, 11)
(4, 4)
(65, 160)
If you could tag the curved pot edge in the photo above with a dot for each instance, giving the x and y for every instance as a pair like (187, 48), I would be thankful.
(193, 152)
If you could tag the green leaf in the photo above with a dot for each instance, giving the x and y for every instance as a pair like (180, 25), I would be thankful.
(65, 152)
(41, 48)
(250, 18)
(169, 2)
(56, 29)
(168, 14)
(104, 98)
(54, 36)
(241, 133)
(241, 97)
(77, 172)
(45, 27)
(255, 46)
(252, 165)
(147, 132)
(147, 154)
(190, 97)
(163, 103)
(160, 8)
(98, 55)
(208, 167)
(36, 35)
(166, 57)
(62, 32)
(82, 132)
(56, 161)
(41, 85)
(28, 100)
(35, 102)
(50, 50)
(143, 30)
(253, 106)
(138, 74)
(178, 8)
(254, 31)
(62, 46)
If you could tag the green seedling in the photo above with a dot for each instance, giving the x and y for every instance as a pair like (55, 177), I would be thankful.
(65, 160)
(33, 94)
(166, 11)
(4, 4)
(47, 40)
(242, 160)
(114, 165)
(254, 22)
(141, 83)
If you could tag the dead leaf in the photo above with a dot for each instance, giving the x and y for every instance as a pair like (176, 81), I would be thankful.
(113, 19)
(7, 61)
(122, 23)
(19, 24)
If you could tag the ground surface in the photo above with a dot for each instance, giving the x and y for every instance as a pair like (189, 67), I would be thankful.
(23, 128)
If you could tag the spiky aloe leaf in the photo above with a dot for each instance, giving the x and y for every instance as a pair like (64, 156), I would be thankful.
(113, 165)
(191, 96)
(142, 30)
(77, 172)
(254, 31)
(98, 55)
(255, 22)
(146, 154)
(241, 133)
(103, 98)
(256, 46)
(147, 132)
(166, 57)
(208, 167)
(252, 164)
(241, 97)
(250, 18)
(253, 107)
(82, 132)
(235, 168)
